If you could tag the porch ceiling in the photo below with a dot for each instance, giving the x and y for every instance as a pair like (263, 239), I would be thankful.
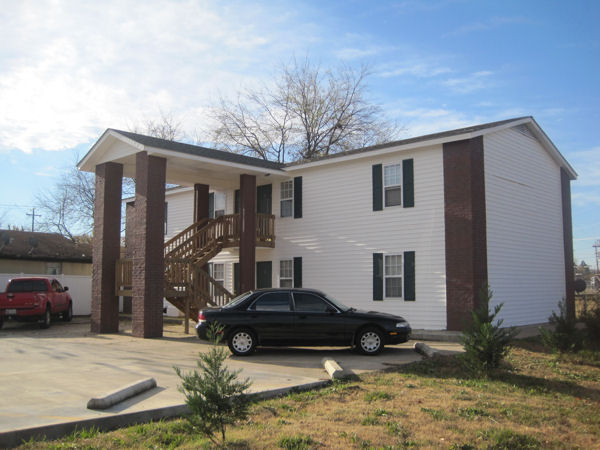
(183, 167)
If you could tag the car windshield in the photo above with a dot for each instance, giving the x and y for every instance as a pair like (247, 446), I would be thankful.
(236, 301)
(337, 304)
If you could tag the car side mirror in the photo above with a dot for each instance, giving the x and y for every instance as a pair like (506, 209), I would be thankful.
(65, 289)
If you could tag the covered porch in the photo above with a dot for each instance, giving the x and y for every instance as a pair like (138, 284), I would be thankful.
(150, 268)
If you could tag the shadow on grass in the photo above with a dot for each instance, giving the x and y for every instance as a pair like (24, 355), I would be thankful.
(451, 367)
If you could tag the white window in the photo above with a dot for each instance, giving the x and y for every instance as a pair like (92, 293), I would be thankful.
(219, 204)
(53, 268)
(286, 273)
(218, 273)
(393, 276)
(287, 198)
(392, 184)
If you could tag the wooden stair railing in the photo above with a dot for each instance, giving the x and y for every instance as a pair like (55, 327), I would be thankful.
(187, 285)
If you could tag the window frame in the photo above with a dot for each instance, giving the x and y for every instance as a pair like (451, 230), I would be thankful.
(213, 272)
(400, 275)
(290, 278)
(398, 185)
(289, 199)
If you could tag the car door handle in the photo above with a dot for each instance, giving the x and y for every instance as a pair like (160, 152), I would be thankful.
(302, 317)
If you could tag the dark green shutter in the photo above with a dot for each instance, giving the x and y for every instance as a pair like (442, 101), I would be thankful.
(211, 205)
(298, 272)
(236, 202)
(409, 276)
(297, 197)
(236, 279)
(408, 185)
(377, 276)
(377, 187)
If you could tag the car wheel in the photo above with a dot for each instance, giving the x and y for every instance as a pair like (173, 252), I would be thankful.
(46, 318)
(67, 316)
(241, 342)
(369, 341)
(1, 321)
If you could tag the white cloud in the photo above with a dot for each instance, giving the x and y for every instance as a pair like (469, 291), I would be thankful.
(420, 121)
(70, 69)
(587, 164)
(487, 25)
(473, 82)
(421, 70)
(585, 198)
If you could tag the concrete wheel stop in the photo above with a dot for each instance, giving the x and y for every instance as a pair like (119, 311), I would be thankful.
(112, 398)
(425, 350)
(333, 369)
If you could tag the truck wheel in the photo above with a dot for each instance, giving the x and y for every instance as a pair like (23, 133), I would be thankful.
(68, 314)
(46, 318)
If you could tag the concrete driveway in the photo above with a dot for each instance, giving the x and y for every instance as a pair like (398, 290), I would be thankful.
(49, 375)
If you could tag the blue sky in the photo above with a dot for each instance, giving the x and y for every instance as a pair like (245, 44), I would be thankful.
(70, 69)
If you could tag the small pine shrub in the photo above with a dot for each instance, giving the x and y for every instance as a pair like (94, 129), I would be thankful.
(214, 394)
(486, 343)
(591, 319)
(563, 336)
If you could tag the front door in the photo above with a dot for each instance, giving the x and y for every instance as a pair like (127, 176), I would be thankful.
(263, 199)
(263, 274)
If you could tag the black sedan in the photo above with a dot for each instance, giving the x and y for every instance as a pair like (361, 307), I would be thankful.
(300, 317)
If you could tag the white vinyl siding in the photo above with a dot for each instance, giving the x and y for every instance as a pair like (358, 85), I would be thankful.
(180, 212)
(340, 232)
(524, 227)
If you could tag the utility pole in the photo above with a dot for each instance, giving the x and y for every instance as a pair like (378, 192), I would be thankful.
(33, 216)
(597, 248)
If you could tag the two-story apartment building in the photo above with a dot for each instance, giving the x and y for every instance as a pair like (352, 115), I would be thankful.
(414, 227)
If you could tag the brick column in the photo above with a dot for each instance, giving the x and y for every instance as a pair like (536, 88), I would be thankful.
(568, 242)
(148, 248)
(129, 230)
(200, 202)
(247, 232)
(106, 247)
(465, 224)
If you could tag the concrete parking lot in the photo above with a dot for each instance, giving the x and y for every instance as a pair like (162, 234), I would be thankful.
(49, 375)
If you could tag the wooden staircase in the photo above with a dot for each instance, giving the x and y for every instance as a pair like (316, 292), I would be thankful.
(188, 286)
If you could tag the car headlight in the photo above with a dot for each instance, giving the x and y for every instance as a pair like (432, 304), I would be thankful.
(402, 325)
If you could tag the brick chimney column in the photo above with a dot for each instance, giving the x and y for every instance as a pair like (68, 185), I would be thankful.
(148, 246)
(247, 232)
(106, 247)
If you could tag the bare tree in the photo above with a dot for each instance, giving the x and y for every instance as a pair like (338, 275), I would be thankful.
(68, 208)
(309, 113)
(166, 127)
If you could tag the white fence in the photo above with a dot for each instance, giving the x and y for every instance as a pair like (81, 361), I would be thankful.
(80, 288)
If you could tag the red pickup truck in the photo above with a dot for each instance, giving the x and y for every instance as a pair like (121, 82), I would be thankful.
(35, 298)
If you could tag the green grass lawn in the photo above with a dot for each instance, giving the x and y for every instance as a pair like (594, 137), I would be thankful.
(537, 400)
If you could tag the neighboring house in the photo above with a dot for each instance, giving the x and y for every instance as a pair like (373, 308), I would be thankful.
(26, 253)
(43, 253)
(414, 227)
